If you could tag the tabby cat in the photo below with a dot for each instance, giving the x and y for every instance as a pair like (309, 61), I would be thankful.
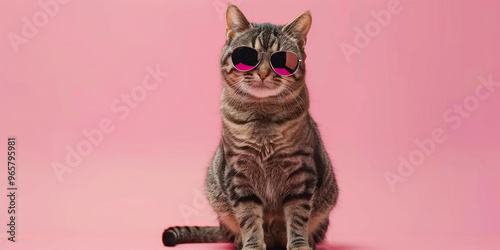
(271, 181)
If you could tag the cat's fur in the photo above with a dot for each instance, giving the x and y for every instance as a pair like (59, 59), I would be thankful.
(271, 181)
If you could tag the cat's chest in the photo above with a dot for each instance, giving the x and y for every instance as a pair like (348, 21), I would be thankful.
(269, 184)
(263, 138)
(266, 147)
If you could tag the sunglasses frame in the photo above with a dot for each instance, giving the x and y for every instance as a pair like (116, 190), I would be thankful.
(270, 63)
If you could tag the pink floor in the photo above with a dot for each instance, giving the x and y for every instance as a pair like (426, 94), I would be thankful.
(341, 242)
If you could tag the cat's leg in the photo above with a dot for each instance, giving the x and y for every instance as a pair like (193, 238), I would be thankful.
(297, 210)
(297, 218)
(249, 216)
(247, 207)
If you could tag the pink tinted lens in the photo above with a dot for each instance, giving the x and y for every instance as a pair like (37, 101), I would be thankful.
(284, 63)
(245, 58)
(282, 71)
(242, 66)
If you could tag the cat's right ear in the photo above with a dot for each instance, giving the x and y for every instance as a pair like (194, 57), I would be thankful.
(236, 21)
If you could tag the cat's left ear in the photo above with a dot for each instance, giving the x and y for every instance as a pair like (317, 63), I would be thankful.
(299, 27)
(236, 22)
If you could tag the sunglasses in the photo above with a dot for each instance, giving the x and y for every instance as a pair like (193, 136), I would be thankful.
(284, 63)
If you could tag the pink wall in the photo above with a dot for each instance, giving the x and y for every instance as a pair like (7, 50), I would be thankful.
(421, 74)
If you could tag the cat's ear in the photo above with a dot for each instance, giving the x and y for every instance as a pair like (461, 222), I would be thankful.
(299, 27)
(236, 21)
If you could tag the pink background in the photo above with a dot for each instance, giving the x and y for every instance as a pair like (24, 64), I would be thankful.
(151, 167)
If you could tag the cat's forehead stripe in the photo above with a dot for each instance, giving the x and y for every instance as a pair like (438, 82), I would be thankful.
(254, 39)
(274, 44)
(266, 39)
(258, 44)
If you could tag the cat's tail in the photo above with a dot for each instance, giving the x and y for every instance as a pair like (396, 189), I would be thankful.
(176, 235)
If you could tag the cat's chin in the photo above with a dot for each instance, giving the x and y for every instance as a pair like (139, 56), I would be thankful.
(263, 92)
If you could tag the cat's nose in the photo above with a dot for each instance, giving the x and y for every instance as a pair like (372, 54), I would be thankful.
(262, 75)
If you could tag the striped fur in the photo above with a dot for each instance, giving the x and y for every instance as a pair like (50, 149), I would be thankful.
(271, 181)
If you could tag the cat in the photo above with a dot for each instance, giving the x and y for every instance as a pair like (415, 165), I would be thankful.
(270, 182)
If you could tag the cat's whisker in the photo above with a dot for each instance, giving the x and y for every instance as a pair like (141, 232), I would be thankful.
(280, 100)
(290, 108)
(242, 78)
(291, 93)
(236, 95)
(245, 89)
(291, 89)
(297, 95)
(233, 92)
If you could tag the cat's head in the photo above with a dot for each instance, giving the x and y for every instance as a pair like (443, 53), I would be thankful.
(263, 61)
